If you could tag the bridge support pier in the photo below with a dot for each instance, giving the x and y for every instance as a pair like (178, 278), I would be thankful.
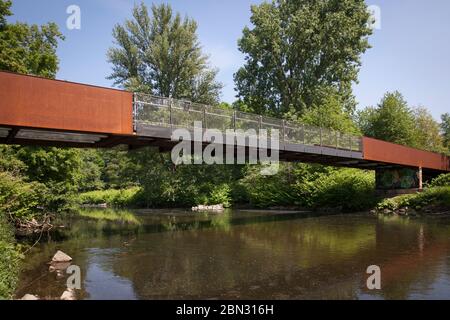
(397, 181)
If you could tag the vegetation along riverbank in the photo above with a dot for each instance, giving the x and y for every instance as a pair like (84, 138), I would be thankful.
(37, 184)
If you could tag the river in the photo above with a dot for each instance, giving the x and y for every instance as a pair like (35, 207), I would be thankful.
(172, 254)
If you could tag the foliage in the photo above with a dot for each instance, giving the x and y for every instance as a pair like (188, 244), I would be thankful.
(9, 260)
(329, 114)
(436, 196)
(114, 198)
(299, 48)
(442, 180)
(220, 194)
(392, 120)
(427, 131)
(445, 127)
(268, 191)
(57, 169)
(347, 189)
(160, 54)
(20, 199)
(28, 49)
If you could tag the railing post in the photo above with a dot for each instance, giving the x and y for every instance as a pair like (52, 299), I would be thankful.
(283, 130)
(234, 120)
(260, 124)
(134, 112)
(320, 134)
(205, 126)
(303, 134)
(337, 139)
(170, 113)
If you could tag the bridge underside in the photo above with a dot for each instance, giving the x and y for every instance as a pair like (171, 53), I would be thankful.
(160, 137)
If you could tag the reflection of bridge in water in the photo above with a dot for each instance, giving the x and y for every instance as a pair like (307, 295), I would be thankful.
(36, 111)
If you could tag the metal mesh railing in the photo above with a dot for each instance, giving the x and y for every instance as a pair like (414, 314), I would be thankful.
(167, 112)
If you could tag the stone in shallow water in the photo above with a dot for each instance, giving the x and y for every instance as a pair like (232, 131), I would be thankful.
(61, 257)
(69, 294)
(29, 297)
(57, 266)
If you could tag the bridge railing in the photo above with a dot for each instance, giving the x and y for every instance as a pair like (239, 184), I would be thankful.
(172, 113)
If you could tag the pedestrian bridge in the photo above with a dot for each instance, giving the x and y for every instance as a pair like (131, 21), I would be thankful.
(43, 112)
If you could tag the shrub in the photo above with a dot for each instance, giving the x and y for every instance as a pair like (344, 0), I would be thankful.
(441, 181)
(267, 191)
(115, 198)
(9, 259)
(220, 194)
(439, 196)
(348, 189)
(18, 198)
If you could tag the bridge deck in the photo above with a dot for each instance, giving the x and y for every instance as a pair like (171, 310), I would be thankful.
(36, 111)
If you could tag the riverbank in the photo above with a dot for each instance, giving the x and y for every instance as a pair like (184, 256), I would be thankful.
(431, 201)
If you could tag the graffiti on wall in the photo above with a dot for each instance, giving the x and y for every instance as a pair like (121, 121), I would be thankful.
(388, 179)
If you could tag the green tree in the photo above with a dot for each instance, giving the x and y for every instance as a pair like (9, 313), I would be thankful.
(427, 131)
(392, 120)
(330, 114)
(28, 49)
(298, 48)
(5, 11)
(445, 127)
(160, 54)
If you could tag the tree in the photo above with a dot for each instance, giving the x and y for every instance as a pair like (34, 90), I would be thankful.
(330, 114)
(160, 54)
(445, 127)
(427, 131)
(28, 49)
(392, 120)
(4, 12)
(298, 48)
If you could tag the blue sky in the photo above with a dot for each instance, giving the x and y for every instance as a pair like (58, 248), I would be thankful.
(411, 51)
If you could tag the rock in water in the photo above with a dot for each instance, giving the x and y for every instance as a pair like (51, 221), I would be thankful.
(69, 294)
(61, 257)
(29, 297)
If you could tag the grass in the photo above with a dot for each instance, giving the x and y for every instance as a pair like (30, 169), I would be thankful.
(113, 198)
(109, 215)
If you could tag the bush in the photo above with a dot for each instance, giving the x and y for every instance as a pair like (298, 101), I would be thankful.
(9, 259)
(441, 181)
(220, 195)
(347, 189)
(437, 196)
(114, 198)
(18, 198)
(266, 191)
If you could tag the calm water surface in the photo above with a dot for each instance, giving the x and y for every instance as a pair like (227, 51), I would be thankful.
(163, 254)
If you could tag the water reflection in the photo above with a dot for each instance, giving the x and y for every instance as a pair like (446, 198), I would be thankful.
(162, 254)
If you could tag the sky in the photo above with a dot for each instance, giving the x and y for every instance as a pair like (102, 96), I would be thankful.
(410, 49)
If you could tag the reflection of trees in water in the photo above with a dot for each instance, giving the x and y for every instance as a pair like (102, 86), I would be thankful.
(417, 251)
(267, 257)
(302, 258)
(207, 256)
